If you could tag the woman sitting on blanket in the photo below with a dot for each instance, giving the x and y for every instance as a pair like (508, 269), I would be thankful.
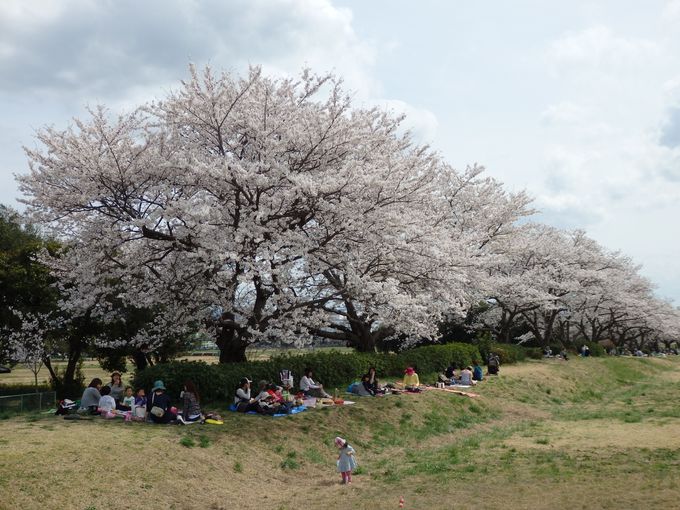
(372, 384)
(363, 388)
(159, 408)
(466, 377)
(191, 408)
(411, 380)
(242, 399)
(311, 388)
(91, 396)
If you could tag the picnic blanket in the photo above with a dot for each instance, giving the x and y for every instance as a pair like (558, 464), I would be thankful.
(457, 392)
(294, 410)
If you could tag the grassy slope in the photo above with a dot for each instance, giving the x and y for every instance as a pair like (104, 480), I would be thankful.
(592, 433)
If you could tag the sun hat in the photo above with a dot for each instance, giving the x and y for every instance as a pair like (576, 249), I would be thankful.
(158, 385)
(339, 441)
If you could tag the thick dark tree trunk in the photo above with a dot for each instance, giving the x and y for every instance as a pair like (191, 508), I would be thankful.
(66, 384)
(365, 343)
(232, 347)
(140, 360)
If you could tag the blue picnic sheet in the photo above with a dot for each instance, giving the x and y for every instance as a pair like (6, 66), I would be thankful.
(294, 410)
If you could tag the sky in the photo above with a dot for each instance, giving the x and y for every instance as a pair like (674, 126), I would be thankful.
(576, 102)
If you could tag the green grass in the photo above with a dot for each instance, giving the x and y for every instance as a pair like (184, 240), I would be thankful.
(541, 433)
(187, 442)
(290, 461)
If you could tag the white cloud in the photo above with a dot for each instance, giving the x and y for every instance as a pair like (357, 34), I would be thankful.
(600, 46)
(421, 122)
(80, 48)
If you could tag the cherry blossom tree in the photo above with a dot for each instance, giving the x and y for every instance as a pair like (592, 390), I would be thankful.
(259, 206)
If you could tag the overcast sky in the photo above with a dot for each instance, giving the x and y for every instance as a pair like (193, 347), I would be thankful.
(577, 102)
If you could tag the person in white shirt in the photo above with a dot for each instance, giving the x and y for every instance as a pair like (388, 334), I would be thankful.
(107, 402)
(311, 388)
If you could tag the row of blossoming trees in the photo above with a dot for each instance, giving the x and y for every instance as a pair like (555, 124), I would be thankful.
(263, 209)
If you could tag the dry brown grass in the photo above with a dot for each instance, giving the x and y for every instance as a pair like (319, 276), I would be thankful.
(543, 449)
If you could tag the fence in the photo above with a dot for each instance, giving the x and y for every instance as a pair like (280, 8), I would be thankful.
(28, 402)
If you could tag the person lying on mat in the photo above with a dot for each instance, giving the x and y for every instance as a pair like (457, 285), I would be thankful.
(311, 388)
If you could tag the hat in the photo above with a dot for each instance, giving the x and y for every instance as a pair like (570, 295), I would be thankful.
(158, 385)
(245, 380)
(340, 441)
(409, 371)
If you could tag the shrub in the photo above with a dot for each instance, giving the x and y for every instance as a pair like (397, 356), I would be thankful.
(509, 353)
(596, 349)
(22, 389)
(536, 352)
(332, 368)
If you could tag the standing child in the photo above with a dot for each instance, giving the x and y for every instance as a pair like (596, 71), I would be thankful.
(346, 459)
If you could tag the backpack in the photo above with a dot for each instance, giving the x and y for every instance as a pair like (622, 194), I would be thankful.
(66, 406)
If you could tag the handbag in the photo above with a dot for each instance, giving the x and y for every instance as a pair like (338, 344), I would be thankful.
(157, 411)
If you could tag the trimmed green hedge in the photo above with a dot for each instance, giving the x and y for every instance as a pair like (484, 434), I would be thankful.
(333, 369)
(22, 389)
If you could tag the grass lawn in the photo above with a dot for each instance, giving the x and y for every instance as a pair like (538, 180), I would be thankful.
(589, 433)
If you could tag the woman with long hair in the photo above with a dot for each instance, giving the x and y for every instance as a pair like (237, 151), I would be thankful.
(191, 408)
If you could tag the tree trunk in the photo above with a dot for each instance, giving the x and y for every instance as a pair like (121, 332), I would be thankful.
(232, 347)
(140, 360)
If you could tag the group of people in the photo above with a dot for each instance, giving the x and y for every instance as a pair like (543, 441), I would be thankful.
(274, 399)
(113, 399)
(467, 376)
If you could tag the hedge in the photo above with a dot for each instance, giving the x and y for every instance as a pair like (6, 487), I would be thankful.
(22, 389)
(334, 369)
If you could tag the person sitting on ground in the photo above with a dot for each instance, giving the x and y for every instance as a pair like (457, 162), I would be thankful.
(243, 401)
(450, 373)
(159, 409)
(106, 403)
(311, 388)
(411, 378)
(267, 403)
(372, 383)
(477, 372)
(117, 388)
(140, 403)
(494, 364)
(191, 408)
(564, 355)
(128, 400)
(91, 396)
(363, 388)
(140, 398)
(466, 377)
